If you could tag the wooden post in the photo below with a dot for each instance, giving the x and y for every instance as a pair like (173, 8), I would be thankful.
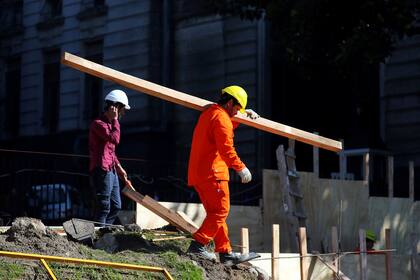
(335, 249)
(275, 271)
(363, 255)
(303, 251)
(366, 168)
(315, 157)
(411, 179)
(343, 163)
(390, 177)
(388, 256)
(245, 241)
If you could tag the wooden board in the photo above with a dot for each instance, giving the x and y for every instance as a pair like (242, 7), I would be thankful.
(167, 214)
(193, 102)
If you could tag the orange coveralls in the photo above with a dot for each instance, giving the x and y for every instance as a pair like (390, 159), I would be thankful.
(212, 154)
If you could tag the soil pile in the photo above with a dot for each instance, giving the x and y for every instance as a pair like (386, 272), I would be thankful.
(31, 236)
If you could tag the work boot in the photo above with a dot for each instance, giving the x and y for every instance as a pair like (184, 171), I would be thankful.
(200, 250)
(233, 258)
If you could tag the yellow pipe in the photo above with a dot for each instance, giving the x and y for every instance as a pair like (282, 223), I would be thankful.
(50, 273)
(82, 261)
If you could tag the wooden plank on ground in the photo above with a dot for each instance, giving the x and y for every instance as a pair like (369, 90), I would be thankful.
(167, 214)
(193, 102)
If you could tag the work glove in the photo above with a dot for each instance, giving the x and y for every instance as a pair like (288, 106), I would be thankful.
(251, 114)
(245, 175)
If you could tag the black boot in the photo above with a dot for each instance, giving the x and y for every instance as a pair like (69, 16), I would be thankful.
(236, 258)
(200, 250)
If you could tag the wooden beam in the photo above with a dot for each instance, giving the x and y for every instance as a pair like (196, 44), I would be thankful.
(193, 102)
(167, 214)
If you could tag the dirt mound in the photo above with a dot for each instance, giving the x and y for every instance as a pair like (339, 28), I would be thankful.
(28, 235)
(31, 236)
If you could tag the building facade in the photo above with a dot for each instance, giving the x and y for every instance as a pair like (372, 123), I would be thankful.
(48, 107)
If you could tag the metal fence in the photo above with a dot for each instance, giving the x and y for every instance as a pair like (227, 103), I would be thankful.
(55, 187)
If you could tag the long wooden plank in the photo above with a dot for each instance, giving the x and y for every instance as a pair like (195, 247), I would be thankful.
(193, 102)
(167, 214)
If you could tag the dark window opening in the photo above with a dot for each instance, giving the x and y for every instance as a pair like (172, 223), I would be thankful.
(92, 8)
(51, 89)
(99, 2)
(52, 8)
(13, 82)
(93, 85)
(11, 14)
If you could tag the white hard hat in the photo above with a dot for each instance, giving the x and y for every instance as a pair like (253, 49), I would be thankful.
(117, 95)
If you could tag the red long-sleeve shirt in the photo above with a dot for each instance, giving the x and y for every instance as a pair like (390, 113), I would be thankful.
(104, 136)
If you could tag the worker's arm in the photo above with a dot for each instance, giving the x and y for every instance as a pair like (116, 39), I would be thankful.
(122, 174)
(102, 131)
(223, 132)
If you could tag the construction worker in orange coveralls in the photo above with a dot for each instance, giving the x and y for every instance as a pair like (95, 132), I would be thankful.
(212, 153)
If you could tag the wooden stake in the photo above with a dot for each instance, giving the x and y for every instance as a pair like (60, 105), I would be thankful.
(303, 251)
(390, 177)
(388, 256)
(276, 252)
(193, 102)
(411, 179)
(363, 254)
(245, 241)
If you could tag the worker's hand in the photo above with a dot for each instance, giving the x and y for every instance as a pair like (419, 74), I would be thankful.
(112, 112)
(251, 114)
(245, 175)
(128, 183)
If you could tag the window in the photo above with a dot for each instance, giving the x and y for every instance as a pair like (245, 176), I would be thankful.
(93, 85)
(51, 89)
(92, 8)
(51, 9)
(11, 17)
(13, 71)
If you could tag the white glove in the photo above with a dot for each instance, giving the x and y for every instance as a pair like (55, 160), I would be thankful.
(245, 175)
(251, 114)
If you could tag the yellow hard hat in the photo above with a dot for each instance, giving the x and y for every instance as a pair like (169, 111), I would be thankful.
(239, 94)
(370, 235)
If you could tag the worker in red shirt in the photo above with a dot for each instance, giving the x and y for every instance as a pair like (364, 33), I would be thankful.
(104, 167)
(212, 154)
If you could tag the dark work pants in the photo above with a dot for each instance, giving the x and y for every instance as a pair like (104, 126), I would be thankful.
(108, 198)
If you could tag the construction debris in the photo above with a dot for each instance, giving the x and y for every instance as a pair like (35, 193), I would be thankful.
(81, 231)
